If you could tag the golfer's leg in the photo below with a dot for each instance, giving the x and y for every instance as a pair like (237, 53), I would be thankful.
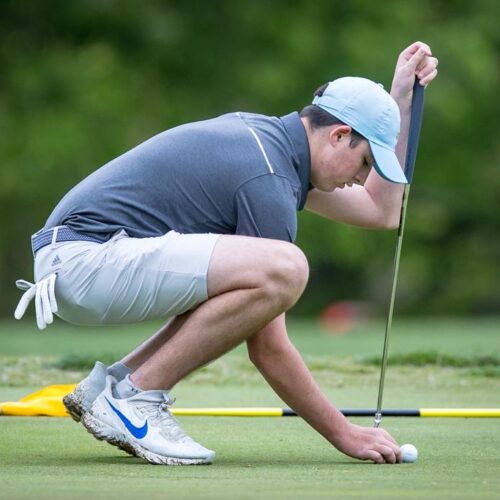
(145, 350)
(250, 282)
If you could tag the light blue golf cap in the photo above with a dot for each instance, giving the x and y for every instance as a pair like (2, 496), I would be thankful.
(367, 108)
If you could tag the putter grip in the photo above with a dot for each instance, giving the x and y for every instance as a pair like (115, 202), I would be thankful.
(417, 108)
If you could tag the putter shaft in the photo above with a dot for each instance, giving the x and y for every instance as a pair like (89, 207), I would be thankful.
(397, 255)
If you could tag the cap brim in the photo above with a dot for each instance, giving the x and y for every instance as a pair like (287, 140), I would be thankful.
(387, 164)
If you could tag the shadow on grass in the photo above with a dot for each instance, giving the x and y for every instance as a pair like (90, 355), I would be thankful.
(227, 461)
(91, 459)
(278, 461)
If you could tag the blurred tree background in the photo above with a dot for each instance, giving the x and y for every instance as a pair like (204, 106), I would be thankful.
(83, 81)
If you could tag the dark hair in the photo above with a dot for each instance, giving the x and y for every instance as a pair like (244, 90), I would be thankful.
(319, 118)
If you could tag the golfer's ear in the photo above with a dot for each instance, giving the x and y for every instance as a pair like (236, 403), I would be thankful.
(339, 133)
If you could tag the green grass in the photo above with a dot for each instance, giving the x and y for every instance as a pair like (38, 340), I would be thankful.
(256, 458)
(433, 363)
(472, 336)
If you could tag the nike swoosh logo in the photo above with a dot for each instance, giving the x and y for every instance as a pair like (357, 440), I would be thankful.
(137, 432)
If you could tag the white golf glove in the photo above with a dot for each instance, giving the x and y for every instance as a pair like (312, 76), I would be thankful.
(45, 300)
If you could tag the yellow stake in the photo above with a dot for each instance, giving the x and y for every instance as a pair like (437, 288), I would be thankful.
(460, 412)
(229, 412)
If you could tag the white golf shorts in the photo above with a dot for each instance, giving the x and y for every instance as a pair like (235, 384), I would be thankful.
(127, 280)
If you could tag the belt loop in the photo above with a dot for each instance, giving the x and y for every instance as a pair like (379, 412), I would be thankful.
(54, 236)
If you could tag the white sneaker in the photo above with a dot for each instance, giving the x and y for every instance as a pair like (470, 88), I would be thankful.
(144, 424)
(80, 400)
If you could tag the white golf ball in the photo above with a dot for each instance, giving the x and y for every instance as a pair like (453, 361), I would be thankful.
(409, 452)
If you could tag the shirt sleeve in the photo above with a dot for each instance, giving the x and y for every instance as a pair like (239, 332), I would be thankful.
(266, 207)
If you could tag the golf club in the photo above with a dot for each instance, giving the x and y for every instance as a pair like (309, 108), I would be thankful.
(417, 106)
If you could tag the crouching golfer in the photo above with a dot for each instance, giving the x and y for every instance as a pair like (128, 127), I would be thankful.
(197, 224)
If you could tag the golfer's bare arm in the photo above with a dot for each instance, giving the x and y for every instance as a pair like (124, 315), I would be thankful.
(360, 206)
(377, 204)
(282, 366)
(284, 369)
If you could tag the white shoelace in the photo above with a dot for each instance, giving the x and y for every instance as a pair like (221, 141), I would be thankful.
(45, 300)
(160, 415)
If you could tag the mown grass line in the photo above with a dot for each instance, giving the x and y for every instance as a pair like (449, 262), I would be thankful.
(417, 358)
(436, 358)
(18, 371)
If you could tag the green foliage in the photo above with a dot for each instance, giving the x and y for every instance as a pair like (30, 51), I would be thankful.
(83, 81)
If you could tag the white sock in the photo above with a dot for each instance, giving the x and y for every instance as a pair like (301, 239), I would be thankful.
(119, 370)
(125, 388)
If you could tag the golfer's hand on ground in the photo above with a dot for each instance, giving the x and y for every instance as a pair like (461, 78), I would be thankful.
(416, 61)
(369, 443)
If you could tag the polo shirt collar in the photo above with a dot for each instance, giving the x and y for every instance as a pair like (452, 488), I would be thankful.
(301, 157)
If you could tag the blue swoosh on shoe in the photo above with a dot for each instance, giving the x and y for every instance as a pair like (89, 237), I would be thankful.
(137, 432)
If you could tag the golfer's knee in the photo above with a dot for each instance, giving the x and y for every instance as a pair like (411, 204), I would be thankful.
(287, 275)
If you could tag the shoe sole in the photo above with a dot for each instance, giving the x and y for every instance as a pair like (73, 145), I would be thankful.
(104, 432)
(73, 405)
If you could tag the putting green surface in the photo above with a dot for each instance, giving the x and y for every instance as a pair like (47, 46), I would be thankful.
(45, 457)
(265, 457)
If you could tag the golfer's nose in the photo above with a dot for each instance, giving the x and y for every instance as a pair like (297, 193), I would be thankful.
(361, 176)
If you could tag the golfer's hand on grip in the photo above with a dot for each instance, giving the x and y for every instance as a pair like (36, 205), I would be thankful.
(416, 61)
(369, 443)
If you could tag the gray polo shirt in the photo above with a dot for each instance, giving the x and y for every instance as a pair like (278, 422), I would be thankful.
(239, 173)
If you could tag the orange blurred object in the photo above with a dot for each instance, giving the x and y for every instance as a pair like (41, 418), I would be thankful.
(342, 316)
